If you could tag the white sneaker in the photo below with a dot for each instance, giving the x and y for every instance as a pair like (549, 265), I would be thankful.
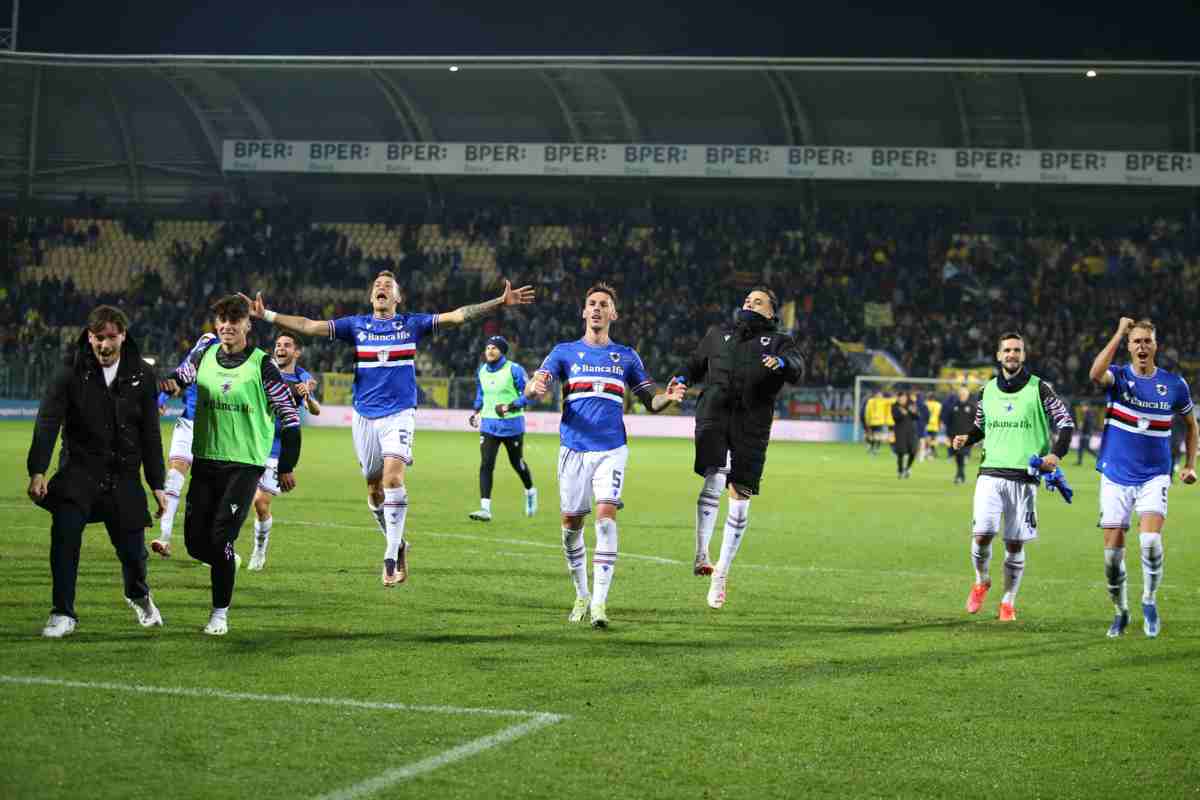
(58, 626)
(579, 609)
(258, 558)
(148, 617)
(217, 626)
(716, 591)
(531, 502)
(482, 515)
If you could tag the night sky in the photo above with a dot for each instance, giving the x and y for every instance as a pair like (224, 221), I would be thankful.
(615, 27)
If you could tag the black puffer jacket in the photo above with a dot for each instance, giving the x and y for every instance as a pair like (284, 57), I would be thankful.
(729, 364)
(109, 434)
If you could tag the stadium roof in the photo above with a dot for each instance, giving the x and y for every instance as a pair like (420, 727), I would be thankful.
(150, 127)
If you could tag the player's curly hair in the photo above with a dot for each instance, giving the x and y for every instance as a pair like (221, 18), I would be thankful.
(601, 286)
(285, 334)
(231, 308)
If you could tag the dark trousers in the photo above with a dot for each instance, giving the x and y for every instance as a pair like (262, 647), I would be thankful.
(218, 500)
(1085, 446)
(66, 538)
(961, 456)
(488, 447)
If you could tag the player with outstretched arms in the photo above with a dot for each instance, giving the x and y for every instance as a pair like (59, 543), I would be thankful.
(385, 393)
(1016, 418)
(595, 373)
(1135, 461)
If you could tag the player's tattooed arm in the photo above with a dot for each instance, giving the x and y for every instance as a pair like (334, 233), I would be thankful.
(509, 297)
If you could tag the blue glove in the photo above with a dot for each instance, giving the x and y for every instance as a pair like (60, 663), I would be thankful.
(1055, 481)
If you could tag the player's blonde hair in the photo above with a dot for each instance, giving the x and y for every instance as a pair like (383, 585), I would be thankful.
(1145, 324)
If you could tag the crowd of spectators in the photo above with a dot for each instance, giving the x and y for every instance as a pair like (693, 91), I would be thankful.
(932, 287)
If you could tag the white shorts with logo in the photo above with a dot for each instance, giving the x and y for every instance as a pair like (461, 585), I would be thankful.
(386, 437)
(1117, 501)
(584, 476)
(181, 441)
(1005, 506)
(269, 482)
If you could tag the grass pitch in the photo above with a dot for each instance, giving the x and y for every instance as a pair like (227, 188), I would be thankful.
(843, 664)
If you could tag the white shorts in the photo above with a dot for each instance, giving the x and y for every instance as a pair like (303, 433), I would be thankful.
(181, 441)
(584, 476)
(269, 482)
(1013, 503)
(386, 437)
(1117, 501)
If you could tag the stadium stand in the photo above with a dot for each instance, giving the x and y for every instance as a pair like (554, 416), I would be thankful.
(950, 282)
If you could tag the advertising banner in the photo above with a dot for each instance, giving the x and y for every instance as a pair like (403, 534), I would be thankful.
(966, 165)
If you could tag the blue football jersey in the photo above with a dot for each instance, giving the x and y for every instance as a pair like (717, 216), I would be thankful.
(594, 382)
(385, 379)
(299, 376)
(1136, 445)
(189, 394)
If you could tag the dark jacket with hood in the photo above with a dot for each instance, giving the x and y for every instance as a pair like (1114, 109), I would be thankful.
(736, 384)
(109, 434)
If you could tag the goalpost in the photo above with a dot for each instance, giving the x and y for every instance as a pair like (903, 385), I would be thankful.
(937, 386)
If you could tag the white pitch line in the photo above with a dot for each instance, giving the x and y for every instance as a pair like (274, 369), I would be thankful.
(400, 774)
(536, 721)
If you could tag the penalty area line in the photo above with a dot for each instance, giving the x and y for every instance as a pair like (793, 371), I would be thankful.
(532, 722)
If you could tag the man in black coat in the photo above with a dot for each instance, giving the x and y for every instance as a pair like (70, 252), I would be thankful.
(960, 419)
(743, 367)
(905, 425)
(105, 402)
